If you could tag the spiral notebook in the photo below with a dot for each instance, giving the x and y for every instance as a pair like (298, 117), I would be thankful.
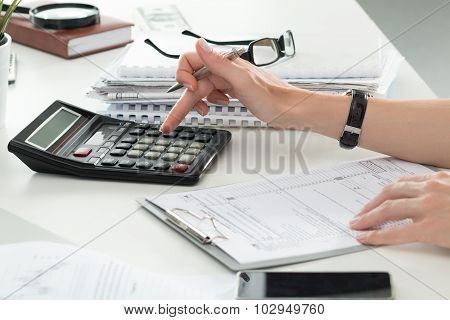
(282, 219)
(233, 115)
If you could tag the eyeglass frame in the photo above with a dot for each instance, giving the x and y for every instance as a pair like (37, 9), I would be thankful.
(247, 55)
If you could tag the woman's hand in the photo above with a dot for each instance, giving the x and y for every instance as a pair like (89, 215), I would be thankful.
(267, 97)
(423, 199)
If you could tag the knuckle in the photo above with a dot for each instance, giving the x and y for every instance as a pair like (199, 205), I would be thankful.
(433, 185)
(386, 205)
(428, 201)
(441, 174)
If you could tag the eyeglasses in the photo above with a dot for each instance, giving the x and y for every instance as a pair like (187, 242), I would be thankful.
(261, 52)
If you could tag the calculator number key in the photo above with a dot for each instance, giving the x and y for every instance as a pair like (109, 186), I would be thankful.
(186, 159)
(109, 162)
(126, 163)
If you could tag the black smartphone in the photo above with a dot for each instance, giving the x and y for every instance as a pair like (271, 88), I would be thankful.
(314, 285)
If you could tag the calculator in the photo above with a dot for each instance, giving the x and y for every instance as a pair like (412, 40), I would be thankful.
(65, 139)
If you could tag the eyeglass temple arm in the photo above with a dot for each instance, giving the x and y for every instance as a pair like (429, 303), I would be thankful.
(154, 46)
(237, 42)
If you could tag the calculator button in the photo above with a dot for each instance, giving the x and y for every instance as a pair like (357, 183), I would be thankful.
(126, 163)
(153, 133)
(144, 126)
(113, 138)
(82, 152)
(170, 135)
(170, 156)
(186, 135)
(193, 151)
(175, 149)
(109, 162)
(136, 132)
(142, 147)
(202, 138)
(180, 167)
(180, 143)
(102, 150)
(155, 126)
(125, 146)
(178, 129)
(135, 153)
(125, 124)
(129, 140)
(186, 159)
(93, 160)
(117, 153)
(197, 145)
(151, 155)
(108, 144)
(144, 165)
(161, 165)
(147, 140)
(163, 142)
(158, 148)
(120, 130)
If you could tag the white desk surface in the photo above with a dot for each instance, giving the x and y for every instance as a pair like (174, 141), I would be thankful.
(81, 210)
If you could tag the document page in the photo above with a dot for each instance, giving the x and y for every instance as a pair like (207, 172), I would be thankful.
(289, 216)
(47, 270)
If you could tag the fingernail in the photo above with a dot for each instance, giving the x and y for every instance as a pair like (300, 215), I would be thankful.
(222, 102)
(165, 128)
(354, 221)
(204, 45)
(188, 86)
(361, 237)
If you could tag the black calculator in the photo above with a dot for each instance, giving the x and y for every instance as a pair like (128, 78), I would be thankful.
(65, 139)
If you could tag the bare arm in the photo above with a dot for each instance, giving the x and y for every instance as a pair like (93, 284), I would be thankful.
(417, 131)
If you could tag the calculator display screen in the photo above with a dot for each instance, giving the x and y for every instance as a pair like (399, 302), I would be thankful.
(101, 135)
(53, 128)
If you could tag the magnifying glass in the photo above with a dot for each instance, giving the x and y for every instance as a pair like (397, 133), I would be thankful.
(61, 15)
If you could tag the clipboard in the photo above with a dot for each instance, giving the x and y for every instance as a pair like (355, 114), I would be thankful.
(206, 243)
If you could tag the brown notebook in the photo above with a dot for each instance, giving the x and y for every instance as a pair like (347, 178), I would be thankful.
(71, 43)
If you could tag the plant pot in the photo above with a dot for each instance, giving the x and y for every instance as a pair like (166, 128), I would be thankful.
(5, 47)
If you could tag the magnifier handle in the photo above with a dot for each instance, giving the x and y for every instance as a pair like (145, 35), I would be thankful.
(19, 9)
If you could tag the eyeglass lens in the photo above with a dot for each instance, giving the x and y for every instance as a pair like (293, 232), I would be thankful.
(289, 46)
(265, 52)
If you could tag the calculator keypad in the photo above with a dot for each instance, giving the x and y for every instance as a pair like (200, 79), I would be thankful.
(144, 147)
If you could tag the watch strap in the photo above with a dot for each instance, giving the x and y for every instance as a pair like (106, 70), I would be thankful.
(352, 130)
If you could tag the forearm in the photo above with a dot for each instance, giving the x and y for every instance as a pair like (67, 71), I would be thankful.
(417, 131)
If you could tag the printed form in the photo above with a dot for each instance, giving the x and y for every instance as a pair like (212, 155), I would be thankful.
(288, 216)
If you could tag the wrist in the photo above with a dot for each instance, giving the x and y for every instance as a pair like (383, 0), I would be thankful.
(321, 113)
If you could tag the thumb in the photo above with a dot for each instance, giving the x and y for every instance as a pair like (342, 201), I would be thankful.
(216, 62)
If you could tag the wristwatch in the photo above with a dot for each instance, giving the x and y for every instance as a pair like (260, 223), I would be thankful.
(352, 130)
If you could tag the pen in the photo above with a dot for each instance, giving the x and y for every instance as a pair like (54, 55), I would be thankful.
(203, 72)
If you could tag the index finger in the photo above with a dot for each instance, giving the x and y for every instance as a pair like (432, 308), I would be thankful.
(185, 104)
(398, 190)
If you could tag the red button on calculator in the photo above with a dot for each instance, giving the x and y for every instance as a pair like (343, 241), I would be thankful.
(180, 167)
(82, 152)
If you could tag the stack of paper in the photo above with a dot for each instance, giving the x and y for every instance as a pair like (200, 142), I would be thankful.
(47, 270)
(138, 79)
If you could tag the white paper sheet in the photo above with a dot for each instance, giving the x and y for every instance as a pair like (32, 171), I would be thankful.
(290, 216)
(317, 57)
(90, 275)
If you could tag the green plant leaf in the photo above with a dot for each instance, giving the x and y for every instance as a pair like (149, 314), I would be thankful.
(7, 16)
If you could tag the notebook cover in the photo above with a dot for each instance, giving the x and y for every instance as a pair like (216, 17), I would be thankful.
(56, 41)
